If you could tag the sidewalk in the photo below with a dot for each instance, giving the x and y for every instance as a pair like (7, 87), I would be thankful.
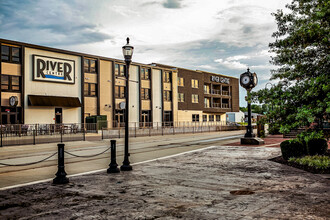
(270, 141)
(219, 182)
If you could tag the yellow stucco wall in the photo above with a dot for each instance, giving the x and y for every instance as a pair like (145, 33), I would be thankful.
(11, 69)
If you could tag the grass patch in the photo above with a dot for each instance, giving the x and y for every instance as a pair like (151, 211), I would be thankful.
(318, 162)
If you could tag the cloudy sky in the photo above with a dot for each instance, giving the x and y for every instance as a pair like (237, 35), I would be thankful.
(220, 36)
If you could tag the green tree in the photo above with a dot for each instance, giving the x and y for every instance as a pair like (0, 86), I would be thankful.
(301, 52)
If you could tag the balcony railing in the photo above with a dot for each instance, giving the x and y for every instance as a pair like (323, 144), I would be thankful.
(219, 105)
(225, 92)
(216, 92)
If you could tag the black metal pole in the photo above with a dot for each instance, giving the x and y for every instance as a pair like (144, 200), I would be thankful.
(113, 164)
(126, 164)
(249, 131)
(61, 174)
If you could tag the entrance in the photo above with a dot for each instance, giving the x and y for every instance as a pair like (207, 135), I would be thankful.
(119, 118)
(58, 116)
(10, 115)
(145, 119)
(168, 118)
(8, 118)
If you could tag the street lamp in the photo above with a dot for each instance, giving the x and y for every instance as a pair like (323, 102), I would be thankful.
(127, 52)
(248, 81)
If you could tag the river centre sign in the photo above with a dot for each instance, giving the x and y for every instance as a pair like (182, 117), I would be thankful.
(53, 69)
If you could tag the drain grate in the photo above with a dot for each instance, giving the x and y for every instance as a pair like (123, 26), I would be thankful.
(241, 192)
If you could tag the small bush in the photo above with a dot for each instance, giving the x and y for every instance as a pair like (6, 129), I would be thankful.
(317, 146)
(292, 148)
(318, 162)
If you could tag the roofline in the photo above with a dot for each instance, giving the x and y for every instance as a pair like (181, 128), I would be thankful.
(199, 71)
(74, 53)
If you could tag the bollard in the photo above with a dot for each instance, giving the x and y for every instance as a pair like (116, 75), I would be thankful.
(61, 174)
(113, 166)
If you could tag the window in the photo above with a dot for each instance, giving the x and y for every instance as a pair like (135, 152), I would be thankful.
(10, 83)
(194, 83)
(204, 118)
(145, 73)
(195, 117)
(167, 95)
(180, 97)
(90, 89)
(120, 91)
(119, 69)
(194, 98)
(89, 66)
(145, 94)
(167, 77)
(218, 118)
(10, 54)
(207, 89)
(207, 102)
(211, 117)
(180, 81)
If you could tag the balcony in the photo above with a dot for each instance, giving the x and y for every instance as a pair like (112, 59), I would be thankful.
(216, 92)
(216, 105)
(225, 105)
(225, 92)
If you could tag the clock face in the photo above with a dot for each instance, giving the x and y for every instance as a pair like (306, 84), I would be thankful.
(245, 80)
(12, 101)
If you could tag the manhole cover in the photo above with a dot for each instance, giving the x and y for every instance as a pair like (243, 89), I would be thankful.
(241, 192)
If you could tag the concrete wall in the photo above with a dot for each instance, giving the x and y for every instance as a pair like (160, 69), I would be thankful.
(156, 96)
(35, 114)
(134, 94)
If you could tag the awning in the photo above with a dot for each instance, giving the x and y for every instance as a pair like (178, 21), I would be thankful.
(40, 100)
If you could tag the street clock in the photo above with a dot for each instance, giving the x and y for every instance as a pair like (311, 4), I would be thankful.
(248, 80)
(13, 101)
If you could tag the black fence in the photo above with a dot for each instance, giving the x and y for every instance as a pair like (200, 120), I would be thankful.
(168, 128)
(41, 133)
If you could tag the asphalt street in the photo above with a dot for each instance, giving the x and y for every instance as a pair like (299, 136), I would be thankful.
(141, 149)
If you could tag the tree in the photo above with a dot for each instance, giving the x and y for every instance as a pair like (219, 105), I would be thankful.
(301, 50)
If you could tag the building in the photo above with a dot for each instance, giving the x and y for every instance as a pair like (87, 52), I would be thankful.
(43, 85)
(235, 117)
(205, 96)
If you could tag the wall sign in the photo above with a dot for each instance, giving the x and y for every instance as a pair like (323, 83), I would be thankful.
(220, 79)
(53, 69)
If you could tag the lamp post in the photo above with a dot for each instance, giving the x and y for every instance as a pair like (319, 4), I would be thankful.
(248, 81)
(127, 52)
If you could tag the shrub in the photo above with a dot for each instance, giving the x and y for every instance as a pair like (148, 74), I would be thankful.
(317, 146)
(318, 162)
(292, 148)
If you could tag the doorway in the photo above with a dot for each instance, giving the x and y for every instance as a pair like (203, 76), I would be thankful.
(145, 119)
(119, 118)
(58, 116)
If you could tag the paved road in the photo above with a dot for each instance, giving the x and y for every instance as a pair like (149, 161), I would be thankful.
(141, 149)
(221, 182)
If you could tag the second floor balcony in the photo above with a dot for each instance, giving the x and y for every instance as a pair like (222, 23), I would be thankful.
(221, 105)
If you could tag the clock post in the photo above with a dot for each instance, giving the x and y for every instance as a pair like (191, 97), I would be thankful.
(248, 81)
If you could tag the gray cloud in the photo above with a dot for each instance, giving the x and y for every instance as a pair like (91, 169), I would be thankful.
(172, 4)
(53, 23)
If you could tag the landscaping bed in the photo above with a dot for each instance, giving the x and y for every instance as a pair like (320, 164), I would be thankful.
(302, 167)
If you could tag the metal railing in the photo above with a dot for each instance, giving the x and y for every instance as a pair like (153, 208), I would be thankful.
(167, 128)
(24, 134)
(225, 92)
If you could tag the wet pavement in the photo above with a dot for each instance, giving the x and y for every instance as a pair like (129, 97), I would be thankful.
(220, 182)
